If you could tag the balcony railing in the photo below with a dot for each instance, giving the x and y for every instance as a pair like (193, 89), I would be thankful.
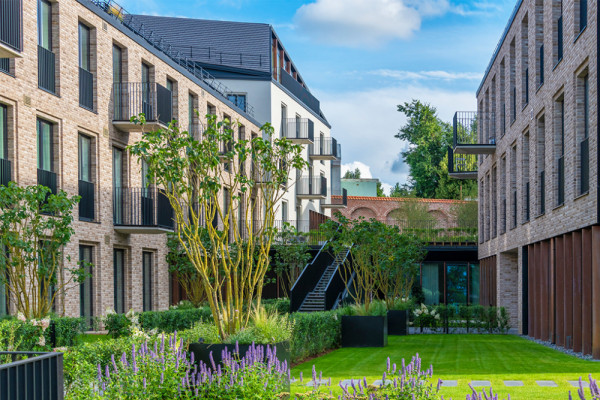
(142, 208)
(339, 199)
(31, 375)
(324, 149)
(46, 70)
(311, 187)
(151, 99)
(86, 203)
(300, 130)
(5, 171)
(474, 133)
(462, 166)
(5, 65)
(86, 89)
(434, 231)
(11, 26)
(48, 179)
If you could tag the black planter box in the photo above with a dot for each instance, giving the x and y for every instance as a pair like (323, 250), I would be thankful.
(360, 331)
(397, 322)
(202, 351)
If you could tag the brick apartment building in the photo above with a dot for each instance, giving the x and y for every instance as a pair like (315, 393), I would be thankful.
(72, 73)
(533, 147)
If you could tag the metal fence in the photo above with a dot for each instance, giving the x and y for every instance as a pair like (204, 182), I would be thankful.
(324, 147)
(40, 376)
(5, 171)
(432, 230)
(11, 24)
(461, 163)
(471, 127)
(143, 207)
(151, 99)
(311, 186)
(86, 204)
(86, 89)
(46, 70)
(298, 128)
(48, 179)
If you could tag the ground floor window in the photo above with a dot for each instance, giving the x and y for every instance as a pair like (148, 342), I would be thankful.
(119, 280)
(450, 283)
(147, 280)
(86, 290)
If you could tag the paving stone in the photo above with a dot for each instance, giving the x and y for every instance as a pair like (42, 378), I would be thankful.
(378, 382)
(449, 383)
(481, 383)
(513, 383)
(576, 384)
(546, 383)
(348, 382)
(319, 382)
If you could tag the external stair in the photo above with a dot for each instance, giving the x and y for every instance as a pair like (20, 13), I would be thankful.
(315, 300)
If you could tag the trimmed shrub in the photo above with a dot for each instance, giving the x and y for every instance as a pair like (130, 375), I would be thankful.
(169, 321)
(65, 330)
(315, 333)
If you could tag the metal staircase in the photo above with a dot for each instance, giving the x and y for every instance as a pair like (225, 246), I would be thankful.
(315, 300)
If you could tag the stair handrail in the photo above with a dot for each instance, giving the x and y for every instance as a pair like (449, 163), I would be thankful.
(336, 283)
(342, 296)
(308, 278)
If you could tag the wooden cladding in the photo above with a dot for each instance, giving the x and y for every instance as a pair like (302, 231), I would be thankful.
(564, 290)
(487, 281)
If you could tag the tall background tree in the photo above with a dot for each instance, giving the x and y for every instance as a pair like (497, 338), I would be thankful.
(428, 138)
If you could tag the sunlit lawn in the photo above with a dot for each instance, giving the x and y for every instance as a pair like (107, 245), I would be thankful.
(463, 358)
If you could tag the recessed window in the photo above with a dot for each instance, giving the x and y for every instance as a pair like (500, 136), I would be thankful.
(147, 272)
(86, 288)
(119, 280)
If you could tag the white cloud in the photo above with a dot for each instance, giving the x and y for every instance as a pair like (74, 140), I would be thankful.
(427, 75)
(365, 170)
(430, 7)
(358, 22)
(386, 188)
(365, 123)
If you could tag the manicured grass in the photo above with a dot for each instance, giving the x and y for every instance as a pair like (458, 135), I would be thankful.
(87, 338)
(463, 358)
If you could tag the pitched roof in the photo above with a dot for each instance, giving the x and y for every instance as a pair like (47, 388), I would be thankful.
(243, 45)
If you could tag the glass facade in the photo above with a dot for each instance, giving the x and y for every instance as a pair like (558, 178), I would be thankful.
(450, 282)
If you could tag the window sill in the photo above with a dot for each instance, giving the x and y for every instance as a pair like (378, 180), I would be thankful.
(539, 87)
(48, 91)
(524, 107)
(525, 222)
(557, 64)
(579, 34)
(540, 215)
(88, 109)
(91, 221)
(561, 205)
(582, 195)
(7, 73)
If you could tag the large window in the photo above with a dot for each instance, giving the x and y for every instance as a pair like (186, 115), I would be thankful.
(86, 185)
(119, 280)
(45, 24)
(84, 47)
(147, 271)
(239, 100)
(450, 283)
(86, 288)
(3, 132)
(118, 186)
(582, 14)
(86, 78)
(584, 129)
(45, 145)
(559, 149)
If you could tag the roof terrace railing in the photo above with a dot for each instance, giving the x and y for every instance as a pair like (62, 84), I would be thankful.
(129, 21)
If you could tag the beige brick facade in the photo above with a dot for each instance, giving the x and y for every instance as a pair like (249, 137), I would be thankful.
(526, 127)
(26, 103)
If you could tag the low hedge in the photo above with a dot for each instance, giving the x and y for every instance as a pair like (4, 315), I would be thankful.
(315, 333)
(173, 320)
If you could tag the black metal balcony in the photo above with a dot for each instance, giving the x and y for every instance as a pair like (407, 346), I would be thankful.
(11, 28)
(298, 130)
(324, 149)
(48, 179)
(86, 203)
(474, 133)
(46, 70)
(339, 199)
(311, 188)
(142, 210)
(5, 171)
(86, 89)
(151, 99)
(462, 166)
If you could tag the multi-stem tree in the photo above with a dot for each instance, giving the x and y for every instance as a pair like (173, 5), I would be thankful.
(224, 191)
(34, 227)
(291, 254)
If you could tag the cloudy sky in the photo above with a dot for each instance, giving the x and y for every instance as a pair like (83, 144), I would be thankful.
(364, 57)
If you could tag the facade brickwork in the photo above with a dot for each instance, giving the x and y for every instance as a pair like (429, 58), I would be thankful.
(535, 94)
(26, 103)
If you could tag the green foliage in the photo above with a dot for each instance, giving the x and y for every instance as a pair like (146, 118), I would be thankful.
(169, 321)
(377, 308)
(474, 318)
(184, 271)
(265, 328)
(315, 333)
(352, 174)
(380, 191)
(18, 335)
(402, 191)
(428, 138)
(291, 255)
(281, 305)
(34, 227)
(66, 330)
(117, 325)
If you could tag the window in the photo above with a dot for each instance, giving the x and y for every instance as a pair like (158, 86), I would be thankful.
(583, 122)
(559, 149)
(494, 197)
(45, 145)
(5, 65)
(539, 40)
(84, 47)
(525, 60)
(118, 186)
(503, 96)
(46, 63)
(513, 186)
(513, 82)
(541, 164)
(192, 117)
(147, 280)
(582, 14)
(284, 127)
(284, 211)
(119, 89)
(503, 172)
(557, 12)
(119, 280)
(146, 101)
(487, 204)
(210, 109)
(172, 87)
(525, 177)
(493, 113)
(239, 100)
(86, 288)
(86, 186)
(86, 78)
(3, 132)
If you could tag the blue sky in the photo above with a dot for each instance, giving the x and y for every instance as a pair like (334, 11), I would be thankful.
(364, 57)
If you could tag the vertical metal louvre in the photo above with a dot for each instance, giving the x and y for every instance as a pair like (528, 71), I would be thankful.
(86, 89)
(46, 70)
(11, 24)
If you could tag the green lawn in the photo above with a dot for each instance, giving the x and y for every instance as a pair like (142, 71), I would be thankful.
(91, 338)
(463, 358)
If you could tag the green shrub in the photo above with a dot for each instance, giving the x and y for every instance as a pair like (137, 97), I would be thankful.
(315, 333)
(281, 305)
(169, 321)
(117, 325)
(66, 331)
(18, 335)
(377, 308)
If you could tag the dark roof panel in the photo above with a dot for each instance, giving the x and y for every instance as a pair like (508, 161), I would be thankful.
(236, 44)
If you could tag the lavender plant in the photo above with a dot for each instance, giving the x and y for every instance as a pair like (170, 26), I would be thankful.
(483, 395)
(166, 370)
(594, 390)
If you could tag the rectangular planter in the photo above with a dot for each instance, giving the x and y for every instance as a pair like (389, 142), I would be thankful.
(364, 331)
(202, 351)
(397, 322)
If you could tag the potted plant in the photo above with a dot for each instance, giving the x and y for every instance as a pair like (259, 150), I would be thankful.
(365, 327)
